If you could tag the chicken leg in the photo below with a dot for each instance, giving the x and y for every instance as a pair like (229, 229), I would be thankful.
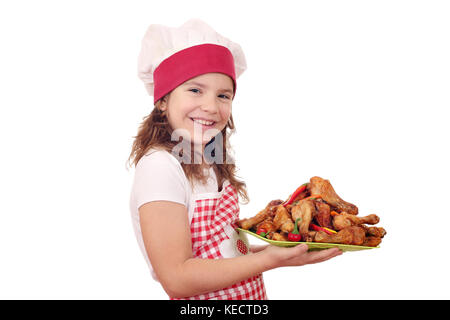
(250, 222)
(351, 235)
(324, 188)
(345, 220)
(304, 210)
(282, 220)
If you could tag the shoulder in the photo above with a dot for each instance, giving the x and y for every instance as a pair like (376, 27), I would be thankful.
(158, 160)
(159, 176)
(154, 155)
(160, 167)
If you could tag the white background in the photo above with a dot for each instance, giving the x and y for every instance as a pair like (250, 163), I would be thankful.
(353, 91)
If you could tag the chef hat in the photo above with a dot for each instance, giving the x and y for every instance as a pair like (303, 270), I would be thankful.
(171, 56)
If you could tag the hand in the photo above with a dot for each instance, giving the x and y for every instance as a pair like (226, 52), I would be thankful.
(298, 255)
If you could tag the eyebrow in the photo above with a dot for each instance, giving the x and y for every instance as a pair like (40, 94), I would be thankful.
(201, 85)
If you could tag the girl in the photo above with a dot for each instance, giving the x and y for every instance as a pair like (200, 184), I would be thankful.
(184, 199)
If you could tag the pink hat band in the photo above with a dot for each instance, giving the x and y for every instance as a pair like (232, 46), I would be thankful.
(189, 63)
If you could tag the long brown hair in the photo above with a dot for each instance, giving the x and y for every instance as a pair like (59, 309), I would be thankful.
(155, 132)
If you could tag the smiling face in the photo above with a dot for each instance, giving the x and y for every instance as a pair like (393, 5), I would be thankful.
(199, 105)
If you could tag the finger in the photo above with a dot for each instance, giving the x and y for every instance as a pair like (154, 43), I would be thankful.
(323, 255)
(301, 248)
(338, 252)
(329, 257)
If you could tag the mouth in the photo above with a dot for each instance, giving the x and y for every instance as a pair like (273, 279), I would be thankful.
(204, 123)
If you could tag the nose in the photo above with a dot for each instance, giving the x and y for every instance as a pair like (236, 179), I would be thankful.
(210, 104)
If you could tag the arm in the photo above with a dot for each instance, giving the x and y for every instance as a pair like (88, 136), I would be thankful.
(258, 248)
(166, 233)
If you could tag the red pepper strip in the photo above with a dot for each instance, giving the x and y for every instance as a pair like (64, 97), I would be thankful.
(295, 235)
(317, 228)
(295, 194)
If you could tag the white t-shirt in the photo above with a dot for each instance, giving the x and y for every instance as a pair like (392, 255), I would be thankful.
(159, 176)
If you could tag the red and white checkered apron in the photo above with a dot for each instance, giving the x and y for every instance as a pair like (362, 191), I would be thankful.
(214, 237)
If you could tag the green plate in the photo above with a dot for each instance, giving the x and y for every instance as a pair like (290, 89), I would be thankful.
(311, 245)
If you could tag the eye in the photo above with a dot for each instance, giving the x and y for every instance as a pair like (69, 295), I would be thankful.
(195, 90)
(224, 96)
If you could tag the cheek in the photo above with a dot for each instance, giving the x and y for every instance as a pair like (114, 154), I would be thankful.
(180, 116)
(225, 113)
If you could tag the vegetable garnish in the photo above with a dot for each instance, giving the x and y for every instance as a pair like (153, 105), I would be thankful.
(313, 197)
(317, 228)
(261, 232)
(295, 194)
(295, 235)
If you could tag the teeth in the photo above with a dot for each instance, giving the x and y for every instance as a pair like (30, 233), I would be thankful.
(204, 122)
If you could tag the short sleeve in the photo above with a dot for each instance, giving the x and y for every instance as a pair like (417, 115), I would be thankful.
(159, 176)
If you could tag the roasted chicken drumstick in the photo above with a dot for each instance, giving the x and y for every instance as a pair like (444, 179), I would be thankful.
(324, 188)
(264, 214)
(304, 210)
(282, 220)
(351, 235)
(250, 222)
(323, 216)
(345, 220)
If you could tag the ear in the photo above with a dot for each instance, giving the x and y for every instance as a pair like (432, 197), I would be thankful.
(163, 103)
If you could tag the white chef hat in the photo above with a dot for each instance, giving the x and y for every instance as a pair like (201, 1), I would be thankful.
(171, 56)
